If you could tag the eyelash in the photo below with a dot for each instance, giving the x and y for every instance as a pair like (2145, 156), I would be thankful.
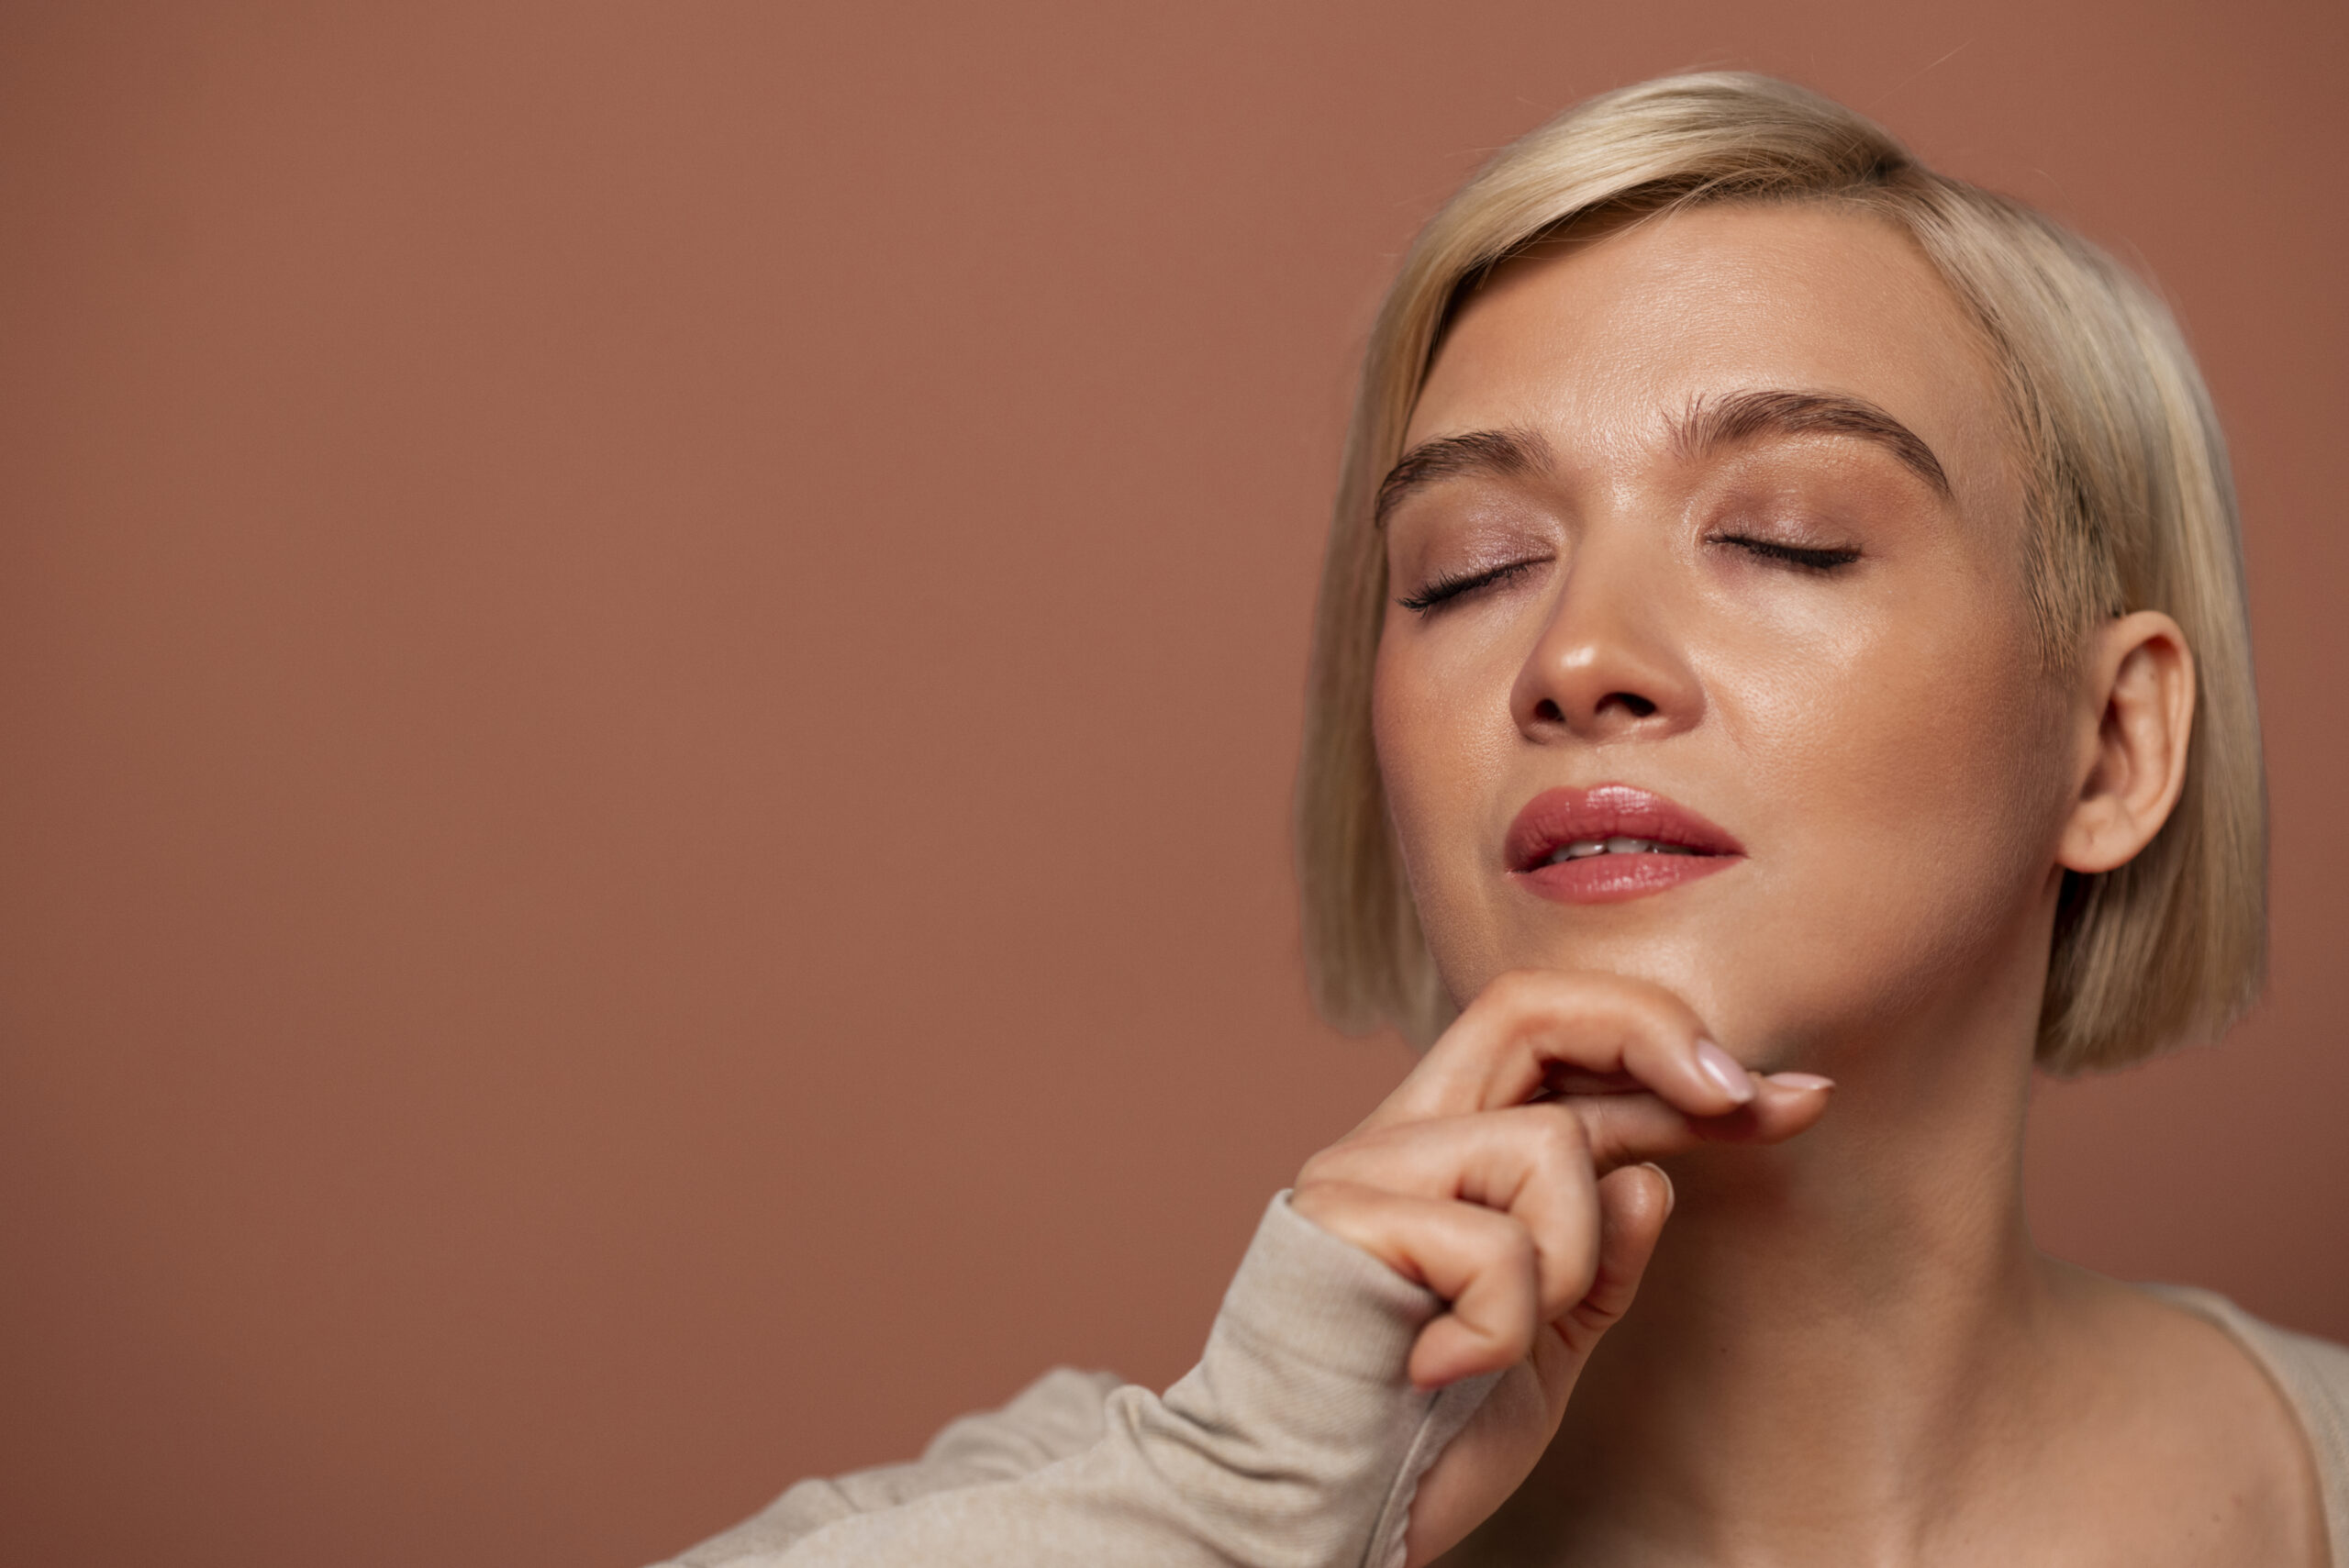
(1452, 587)
(1800, 557)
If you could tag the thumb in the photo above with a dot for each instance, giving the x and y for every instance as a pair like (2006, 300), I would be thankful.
(1505, 1438)
(1634, 1203)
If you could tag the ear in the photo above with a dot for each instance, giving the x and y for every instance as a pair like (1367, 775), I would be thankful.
(2139, 686)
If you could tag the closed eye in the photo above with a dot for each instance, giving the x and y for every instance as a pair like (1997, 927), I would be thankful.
(1807, 558)
(1452, 587)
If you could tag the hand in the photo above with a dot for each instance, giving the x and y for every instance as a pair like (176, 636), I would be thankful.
(1505, 1174)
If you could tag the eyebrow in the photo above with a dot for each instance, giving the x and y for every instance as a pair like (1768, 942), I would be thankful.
(1709, 422)
(1499, 453)
(1745, 416)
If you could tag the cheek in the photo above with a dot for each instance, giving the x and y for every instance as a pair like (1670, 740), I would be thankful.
(1925, 718)
(1408, 729)
(1917, 781)
(1441, 729)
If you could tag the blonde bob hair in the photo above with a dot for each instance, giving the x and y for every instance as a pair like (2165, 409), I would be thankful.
(2130, 503)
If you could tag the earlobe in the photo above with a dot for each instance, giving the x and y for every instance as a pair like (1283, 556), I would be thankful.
(2140, 701)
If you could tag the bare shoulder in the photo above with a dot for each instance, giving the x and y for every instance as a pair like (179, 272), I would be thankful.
(2199, 1456)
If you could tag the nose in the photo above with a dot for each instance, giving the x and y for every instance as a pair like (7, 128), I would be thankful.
(1609, 664)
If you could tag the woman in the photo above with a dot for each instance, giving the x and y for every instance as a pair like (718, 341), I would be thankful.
(1781, 674)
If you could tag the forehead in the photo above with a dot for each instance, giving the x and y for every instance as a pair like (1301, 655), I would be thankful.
(1602, 345)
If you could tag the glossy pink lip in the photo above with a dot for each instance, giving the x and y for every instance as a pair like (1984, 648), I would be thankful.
(1557, 818)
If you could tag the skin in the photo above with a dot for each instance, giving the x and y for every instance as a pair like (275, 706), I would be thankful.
(1846, 1348)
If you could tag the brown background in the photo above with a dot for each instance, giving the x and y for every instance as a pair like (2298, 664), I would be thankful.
(649, 659)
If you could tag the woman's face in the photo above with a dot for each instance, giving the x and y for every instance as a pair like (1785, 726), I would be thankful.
(1708, 542)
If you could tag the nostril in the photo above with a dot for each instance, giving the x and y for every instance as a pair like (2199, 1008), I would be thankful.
(1632, 703)
(1547, 709)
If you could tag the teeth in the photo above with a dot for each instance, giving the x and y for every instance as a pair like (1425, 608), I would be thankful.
(1621, 844)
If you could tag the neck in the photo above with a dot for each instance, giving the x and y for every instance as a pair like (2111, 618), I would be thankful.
(1831, 1343)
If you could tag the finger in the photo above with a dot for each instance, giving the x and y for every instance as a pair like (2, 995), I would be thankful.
(1531, 1024)
(1625, 1128)
(1633, 1204)
(1479, 1261)
(1532, 1162)
(1538, 1161)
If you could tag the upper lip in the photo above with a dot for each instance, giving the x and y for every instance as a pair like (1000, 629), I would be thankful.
(1557, 818)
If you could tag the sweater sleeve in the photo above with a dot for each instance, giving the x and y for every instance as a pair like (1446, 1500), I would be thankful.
(2314, 1377)
(1296, 1440)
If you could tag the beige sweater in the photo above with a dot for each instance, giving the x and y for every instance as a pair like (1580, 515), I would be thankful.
(1295, 1440)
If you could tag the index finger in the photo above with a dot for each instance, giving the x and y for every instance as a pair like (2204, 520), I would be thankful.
(1504, 1047)
(1626, 1130)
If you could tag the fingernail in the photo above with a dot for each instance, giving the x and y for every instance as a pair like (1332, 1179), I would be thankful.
(1723, 1069)
(1671, 1193)
(1801, 1081)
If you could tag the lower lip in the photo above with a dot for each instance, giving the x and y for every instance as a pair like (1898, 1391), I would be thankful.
(1614, 879)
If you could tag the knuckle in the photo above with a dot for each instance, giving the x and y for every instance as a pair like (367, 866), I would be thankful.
(1316, 1171)
(1564, 1126)
(1515, 990)
(1642, 1005)
(1556, 1136)
(1327, 1196)
(1662, 1010)
(1517, 982)
(1511, 1247)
